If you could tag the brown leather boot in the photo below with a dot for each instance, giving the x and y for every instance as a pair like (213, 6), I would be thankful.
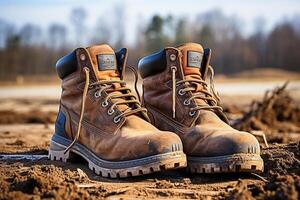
(179, 99)
(102, 121)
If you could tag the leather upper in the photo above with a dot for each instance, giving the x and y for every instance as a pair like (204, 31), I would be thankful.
(130, 138)
(203, 134)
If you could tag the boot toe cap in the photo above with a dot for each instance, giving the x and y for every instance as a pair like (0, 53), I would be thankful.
(154, 143)
(240, 142)
(164, 142)
(228, 144)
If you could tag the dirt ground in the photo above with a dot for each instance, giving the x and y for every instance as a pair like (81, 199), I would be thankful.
(25, 172)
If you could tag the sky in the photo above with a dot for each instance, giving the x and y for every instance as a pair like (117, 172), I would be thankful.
(45, 12)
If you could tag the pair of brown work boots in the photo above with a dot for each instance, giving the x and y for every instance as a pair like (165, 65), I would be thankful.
(180, 122)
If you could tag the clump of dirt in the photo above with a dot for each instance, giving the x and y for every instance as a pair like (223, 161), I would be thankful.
(41, 181)
(232, 109)
(240, 192)
(33, 116)
(278, 187)
(282, 176)
(163, 184)
(282, 159)
(276, 113)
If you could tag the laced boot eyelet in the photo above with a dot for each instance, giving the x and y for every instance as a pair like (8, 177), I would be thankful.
(192, 113)
(97, 94)
(172, 57)
(186, 102)
(82, 57)
(110, 111)
(104, 104)
(174, 68)
(180, 92)
(117, 120)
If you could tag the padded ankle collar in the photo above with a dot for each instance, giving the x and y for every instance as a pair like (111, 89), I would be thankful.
(121, 56)
(66, 65)
(152, 64)
(156, 63)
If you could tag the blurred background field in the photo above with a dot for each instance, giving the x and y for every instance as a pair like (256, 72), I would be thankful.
(255, 45)
(243, 37)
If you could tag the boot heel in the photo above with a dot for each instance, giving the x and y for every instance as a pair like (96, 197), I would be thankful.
(58, 155)
(57, 152)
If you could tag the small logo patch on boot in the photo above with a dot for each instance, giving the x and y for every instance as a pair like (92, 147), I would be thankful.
(106, 62)
(194, 59)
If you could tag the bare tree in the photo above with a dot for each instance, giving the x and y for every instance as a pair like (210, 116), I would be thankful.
(154, 34)
(26, 51)
(119, 25)
(283, 47)
(77, 18)
(30, 35)
(57, 36)
(6, 30)
(181, 33)
(102, 32)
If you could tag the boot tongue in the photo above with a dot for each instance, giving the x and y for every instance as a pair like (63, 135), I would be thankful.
(192, 58)
(104, 62)
(192, 54)
(105, 68)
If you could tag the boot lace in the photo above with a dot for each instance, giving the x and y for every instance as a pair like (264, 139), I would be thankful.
(206, 93)
(107, 85)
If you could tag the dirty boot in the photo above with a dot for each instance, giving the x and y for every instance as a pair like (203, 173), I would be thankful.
(103, 122)
(179, 99)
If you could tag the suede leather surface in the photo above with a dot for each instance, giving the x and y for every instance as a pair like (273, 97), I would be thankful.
(161, 97)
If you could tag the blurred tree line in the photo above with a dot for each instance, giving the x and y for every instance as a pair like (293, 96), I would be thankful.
(33, 51)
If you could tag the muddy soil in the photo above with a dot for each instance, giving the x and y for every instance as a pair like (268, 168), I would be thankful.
(26, 173)
(35, 178)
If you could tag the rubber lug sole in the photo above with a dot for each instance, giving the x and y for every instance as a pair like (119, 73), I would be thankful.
(148, 165)
(226, 164)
